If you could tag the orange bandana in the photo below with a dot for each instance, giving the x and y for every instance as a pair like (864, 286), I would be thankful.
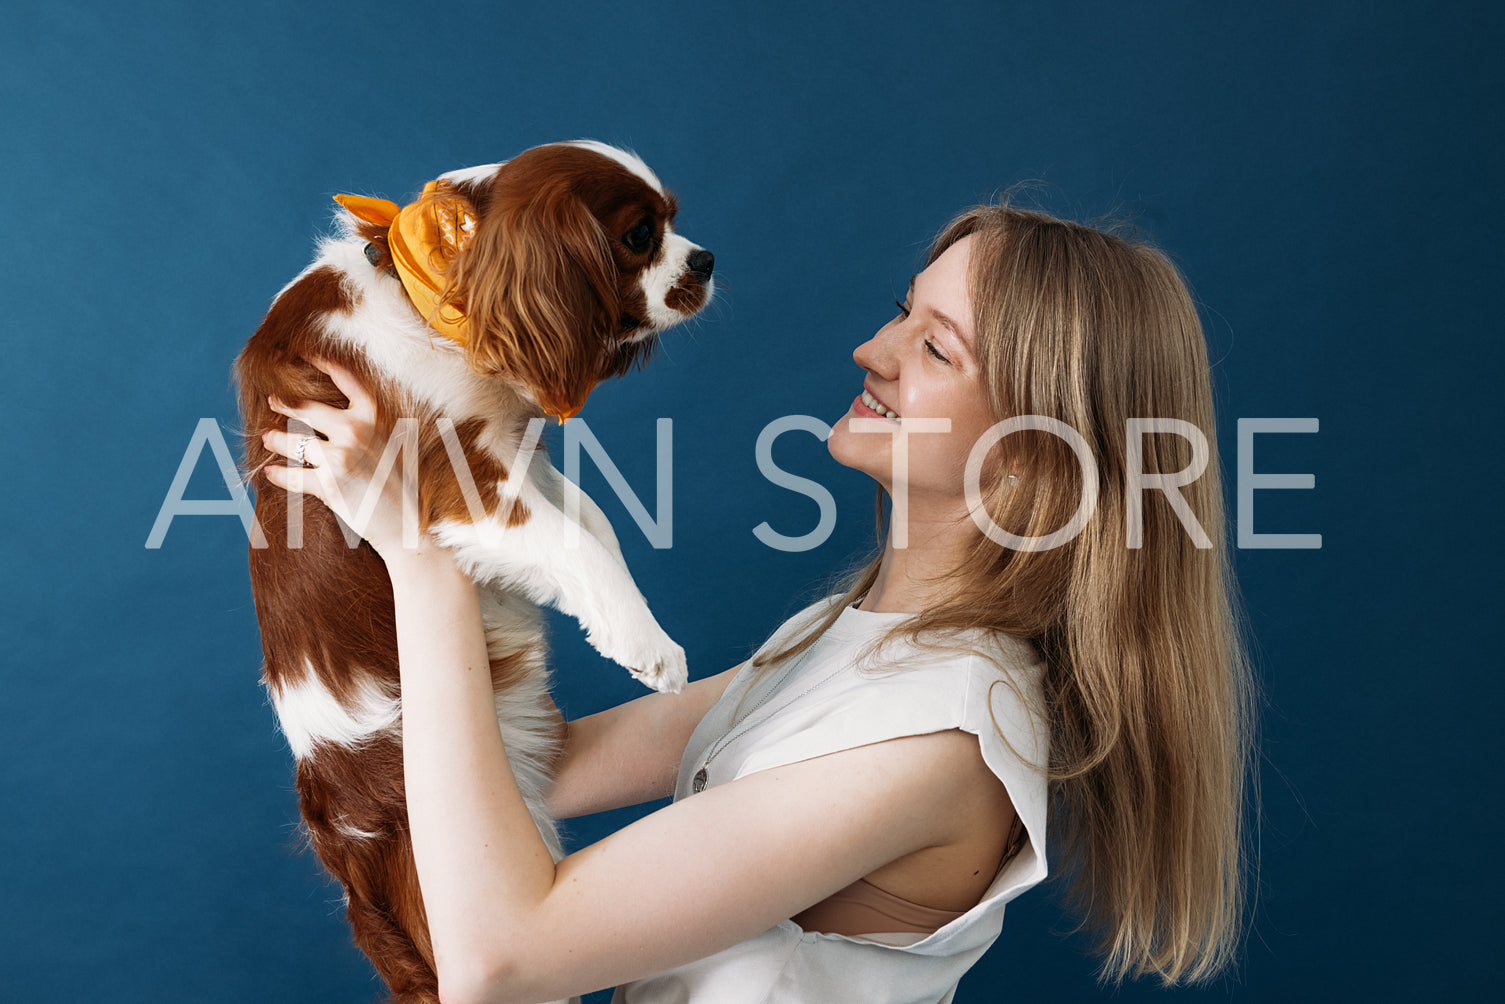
(424, 238)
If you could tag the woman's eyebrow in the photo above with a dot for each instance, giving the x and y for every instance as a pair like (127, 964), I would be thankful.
(946, 321)
(949, 323)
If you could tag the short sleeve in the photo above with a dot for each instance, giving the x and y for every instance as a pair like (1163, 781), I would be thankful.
(907, 702)
(1005, 710)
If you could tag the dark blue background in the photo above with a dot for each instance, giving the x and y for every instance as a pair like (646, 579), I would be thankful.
(1328, 176)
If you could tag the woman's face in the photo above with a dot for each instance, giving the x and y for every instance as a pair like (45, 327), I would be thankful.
(920, 365)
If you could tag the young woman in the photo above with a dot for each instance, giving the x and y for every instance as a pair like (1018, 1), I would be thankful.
(855, 806)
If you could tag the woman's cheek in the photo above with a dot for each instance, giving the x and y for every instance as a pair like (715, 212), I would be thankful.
(939, 462)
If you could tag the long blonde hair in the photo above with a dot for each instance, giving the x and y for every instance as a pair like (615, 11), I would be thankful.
(1147, 687)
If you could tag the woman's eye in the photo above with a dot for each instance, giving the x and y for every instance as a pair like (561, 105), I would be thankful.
(930, 346)
(638, 237)
(903, 310)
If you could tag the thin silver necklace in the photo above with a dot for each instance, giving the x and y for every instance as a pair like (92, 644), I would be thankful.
(698, 782)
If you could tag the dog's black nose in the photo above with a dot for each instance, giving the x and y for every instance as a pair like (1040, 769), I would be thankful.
(701, 262)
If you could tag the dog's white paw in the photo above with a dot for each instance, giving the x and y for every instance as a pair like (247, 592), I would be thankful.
(668, 673)
(652, 657)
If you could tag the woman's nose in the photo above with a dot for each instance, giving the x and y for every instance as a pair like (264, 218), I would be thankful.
(876, 355)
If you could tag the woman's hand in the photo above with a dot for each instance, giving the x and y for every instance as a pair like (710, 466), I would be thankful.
(348, 466)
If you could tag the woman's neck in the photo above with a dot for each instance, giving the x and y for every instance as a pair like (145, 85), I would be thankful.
(915, 577)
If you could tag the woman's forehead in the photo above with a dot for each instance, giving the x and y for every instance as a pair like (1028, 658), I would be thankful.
(944, 286)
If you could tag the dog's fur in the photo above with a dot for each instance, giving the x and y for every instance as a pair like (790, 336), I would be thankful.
(559, 293)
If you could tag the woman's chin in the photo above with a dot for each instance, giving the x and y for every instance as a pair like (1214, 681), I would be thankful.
(858, 452)
(838, 443)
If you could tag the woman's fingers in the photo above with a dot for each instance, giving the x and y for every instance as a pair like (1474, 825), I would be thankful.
(296, 479)
(339, 460)
(323, 419)
(296, 445)
(350, 385)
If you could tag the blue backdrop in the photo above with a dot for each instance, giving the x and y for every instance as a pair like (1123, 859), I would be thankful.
(1324, 173)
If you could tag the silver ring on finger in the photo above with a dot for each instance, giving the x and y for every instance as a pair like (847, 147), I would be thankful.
(302, 453)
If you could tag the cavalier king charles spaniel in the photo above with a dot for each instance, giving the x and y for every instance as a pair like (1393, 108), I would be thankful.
(502, 295)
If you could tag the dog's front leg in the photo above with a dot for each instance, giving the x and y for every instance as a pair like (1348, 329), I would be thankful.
(565, 554)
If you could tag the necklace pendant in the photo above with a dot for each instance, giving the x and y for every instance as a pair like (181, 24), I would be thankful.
(697, 783)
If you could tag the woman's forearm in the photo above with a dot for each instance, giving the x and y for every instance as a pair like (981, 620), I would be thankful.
(588, 778)
(630, 753)
(481, 863)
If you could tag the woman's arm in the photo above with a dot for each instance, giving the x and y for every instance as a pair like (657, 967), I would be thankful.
(630, 754)
(703, 874)
(506, 922)
(700, 875)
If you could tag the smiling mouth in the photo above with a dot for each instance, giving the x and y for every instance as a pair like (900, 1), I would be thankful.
(878, 406)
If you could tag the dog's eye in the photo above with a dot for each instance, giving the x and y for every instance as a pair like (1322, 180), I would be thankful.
(638, 238)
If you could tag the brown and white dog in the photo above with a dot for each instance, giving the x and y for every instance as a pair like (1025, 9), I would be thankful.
(543, 275)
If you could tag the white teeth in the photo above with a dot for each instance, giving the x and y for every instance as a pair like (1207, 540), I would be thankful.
(873, 403)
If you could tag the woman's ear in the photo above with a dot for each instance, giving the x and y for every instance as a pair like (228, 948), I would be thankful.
(538, 285)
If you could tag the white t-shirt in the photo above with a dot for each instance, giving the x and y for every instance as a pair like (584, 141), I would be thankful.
(825, 702)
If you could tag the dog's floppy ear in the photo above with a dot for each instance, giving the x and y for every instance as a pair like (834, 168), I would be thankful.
(539, 289)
